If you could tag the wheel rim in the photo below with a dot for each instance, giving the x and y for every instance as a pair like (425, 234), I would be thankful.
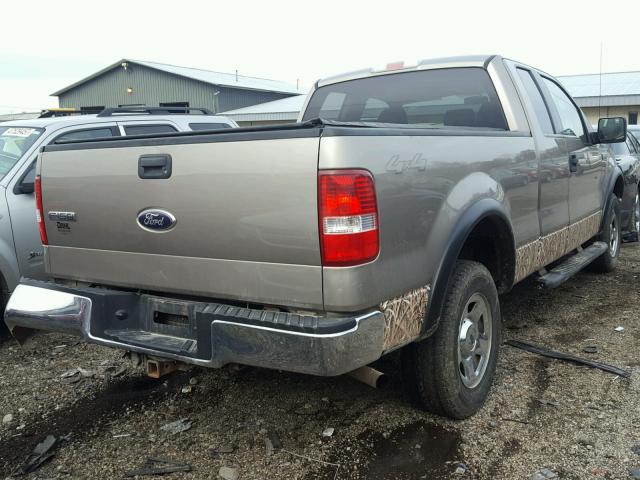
(614, 240)
(636, 214)
(474, 340)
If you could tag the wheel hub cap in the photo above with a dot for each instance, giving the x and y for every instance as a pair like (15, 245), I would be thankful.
(613, 242)
(636, 211)
(474, 340)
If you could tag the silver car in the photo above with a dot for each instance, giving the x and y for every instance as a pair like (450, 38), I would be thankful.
(21, 253)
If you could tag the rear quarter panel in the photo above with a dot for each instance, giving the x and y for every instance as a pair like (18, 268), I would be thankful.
(424, 184)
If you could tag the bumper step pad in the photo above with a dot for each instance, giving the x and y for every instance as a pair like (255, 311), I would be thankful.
(165, 343)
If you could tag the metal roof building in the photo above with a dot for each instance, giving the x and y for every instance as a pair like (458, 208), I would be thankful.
(8, 117)
(140, 83)
(285, 110)
(609, 94)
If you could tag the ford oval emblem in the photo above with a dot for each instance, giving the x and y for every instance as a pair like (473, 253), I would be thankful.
(156, 220)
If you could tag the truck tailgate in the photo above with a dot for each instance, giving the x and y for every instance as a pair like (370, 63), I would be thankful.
(245, 210)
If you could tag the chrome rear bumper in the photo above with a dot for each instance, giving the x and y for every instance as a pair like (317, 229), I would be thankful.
(213, 335)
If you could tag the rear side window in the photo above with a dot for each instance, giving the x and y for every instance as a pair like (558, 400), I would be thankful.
(87, 134)
(449, 97)
(539, 107)
(208, 126)
(148, 129)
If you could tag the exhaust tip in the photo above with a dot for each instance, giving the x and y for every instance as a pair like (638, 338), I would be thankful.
(370, 376)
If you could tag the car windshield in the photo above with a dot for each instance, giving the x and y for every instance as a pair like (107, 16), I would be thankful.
(14, 143)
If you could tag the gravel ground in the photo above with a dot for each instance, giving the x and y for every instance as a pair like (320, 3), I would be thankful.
(575, 421)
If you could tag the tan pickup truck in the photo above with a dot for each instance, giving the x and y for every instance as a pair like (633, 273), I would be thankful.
(391, 216)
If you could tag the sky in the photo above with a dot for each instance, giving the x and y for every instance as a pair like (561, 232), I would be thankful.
(46, 45)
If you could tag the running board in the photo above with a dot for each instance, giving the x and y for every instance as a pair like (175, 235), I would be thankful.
(572, 265)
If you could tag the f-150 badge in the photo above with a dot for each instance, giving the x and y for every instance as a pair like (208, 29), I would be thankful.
(62, 216)
(156, 220)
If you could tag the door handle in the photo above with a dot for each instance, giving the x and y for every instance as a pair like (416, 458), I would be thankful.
(573, 163)
(154, 166)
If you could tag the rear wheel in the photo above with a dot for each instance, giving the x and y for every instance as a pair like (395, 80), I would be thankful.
(452, 371)
(634, 223)
(4, 331)
(612, 236)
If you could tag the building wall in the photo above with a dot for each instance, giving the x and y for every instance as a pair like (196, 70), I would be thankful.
(233, 98)
(152, 87)
(595, 113)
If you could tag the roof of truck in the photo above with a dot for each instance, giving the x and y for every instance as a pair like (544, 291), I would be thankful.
(459, 61)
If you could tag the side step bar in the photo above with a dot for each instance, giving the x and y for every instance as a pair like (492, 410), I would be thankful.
(572, 265)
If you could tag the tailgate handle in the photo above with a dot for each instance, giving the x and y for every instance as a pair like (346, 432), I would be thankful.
(154, 166)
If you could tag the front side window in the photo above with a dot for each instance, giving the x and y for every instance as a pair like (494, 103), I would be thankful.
(14, 143)
(87, 134)
(448, 97)
(569, 115)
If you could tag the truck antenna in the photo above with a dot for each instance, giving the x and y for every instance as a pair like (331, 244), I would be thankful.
(600, 93)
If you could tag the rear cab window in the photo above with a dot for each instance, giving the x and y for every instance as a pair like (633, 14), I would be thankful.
(441, 98)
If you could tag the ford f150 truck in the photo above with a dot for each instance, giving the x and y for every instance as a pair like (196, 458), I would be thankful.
(391, 215)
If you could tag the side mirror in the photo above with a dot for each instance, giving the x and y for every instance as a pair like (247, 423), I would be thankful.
(25, 185)
(25, 188)
(612, 130)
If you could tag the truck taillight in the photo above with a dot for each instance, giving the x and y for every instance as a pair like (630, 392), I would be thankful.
(40, 211)
(348, 217)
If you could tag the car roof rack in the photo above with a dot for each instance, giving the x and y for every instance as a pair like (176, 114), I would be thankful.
(65, 112)
(108, 112)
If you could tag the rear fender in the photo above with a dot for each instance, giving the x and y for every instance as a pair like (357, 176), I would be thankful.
(475, 198)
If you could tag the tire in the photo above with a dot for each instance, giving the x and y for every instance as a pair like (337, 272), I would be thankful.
(634, 222)
(612, 236)
(4, 331)
(435, 367)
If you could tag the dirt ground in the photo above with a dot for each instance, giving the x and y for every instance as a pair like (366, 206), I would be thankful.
(578, 422)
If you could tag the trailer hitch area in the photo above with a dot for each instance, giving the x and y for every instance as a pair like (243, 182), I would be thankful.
(160, 368)
(157, 367)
